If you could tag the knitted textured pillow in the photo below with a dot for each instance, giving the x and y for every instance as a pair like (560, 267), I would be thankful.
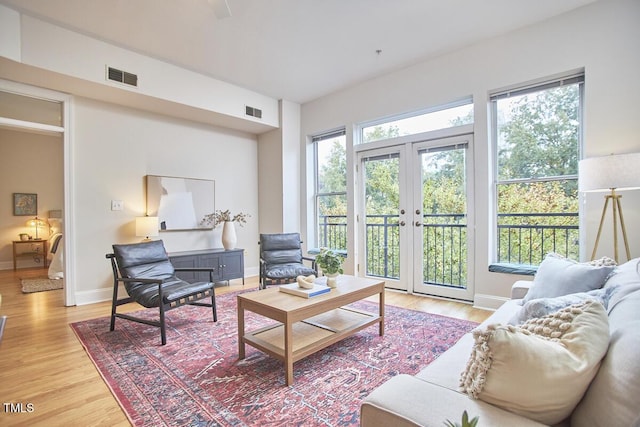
(542, 368)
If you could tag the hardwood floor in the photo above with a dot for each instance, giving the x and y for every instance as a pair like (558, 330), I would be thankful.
(46, 377)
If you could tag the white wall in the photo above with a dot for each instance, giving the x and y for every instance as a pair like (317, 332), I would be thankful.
(291, 177)
(29, 163)
(115, 147)
(270, 181)
(9, 33)
(602, 38)
(54, 48)
(279, 171)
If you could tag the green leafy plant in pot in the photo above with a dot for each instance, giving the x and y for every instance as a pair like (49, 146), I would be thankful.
(466, 422)
(331, 264)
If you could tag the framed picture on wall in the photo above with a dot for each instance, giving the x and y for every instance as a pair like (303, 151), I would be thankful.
(25, 204)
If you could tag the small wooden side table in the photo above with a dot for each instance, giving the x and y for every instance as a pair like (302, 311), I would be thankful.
(38, 248)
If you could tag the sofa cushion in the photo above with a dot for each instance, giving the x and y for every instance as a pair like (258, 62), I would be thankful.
(612, 397)
(541, 369)
(444, 370)
(559, 276)
(626, 278)
(542, 306)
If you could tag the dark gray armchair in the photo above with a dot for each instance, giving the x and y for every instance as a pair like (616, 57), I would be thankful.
(149, 279)
(281, 259)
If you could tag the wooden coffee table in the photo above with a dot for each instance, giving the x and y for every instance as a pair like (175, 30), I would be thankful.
(307, 325)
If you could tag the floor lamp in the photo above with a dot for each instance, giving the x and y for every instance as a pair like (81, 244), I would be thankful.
(610, 173)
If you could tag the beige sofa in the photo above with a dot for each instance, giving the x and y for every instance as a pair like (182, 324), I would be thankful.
(432, 397)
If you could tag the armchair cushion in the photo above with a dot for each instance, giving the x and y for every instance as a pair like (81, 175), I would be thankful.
(285, 271)
(280, 248)
(172, 290)
(282, 256)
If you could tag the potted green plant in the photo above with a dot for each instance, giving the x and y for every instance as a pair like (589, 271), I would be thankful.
(466, 422)
(331, 264)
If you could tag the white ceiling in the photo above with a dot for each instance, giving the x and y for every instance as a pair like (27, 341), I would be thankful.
(297, 50)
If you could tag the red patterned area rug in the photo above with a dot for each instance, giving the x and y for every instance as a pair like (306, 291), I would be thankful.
(197, 379)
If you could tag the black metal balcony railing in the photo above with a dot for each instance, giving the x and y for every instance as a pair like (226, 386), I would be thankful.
(523, 239)
(527, 238)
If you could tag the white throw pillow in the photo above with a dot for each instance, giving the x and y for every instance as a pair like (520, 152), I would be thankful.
(541, 369)
(559, 276)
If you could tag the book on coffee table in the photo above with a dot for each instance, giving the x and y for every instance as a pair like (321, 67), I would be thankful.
(294, 289)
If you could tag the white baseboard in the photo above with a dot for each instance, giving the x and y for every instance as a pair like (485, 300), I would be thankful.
(96, 295)
(488, 302)
(251, 271)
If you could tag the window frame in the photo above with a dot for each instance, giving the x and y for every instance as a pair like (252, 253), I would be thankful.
(467, 101)
(317, 195)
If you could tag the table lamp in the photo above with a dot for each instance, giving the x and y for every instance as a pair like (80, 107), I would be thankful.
(147, 226)
(610, 173)
(37, 223)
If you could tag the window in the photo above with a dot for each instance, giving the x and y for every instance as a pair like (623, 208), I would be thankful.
(331, 189)
(440, 118)
(537, 135)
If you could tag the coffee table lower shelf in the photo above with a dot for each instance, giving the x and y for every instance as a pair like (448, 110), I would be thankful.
(312, 334)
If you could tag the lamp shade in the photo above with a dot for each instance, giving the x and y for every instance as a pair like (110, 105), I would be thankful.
(36, 222)
(55, 214)
(147, 226)
(620, 172)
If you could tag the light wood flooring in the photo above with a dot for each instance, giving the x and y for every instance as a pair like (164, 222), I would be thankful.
(44, 368)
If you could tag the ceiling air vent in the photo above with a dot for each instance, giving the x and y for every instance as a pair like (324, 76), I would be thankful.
(253, 112)
(120, 76)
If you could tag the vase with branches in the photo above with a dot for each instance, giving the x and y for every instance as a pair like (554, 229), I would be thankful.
(229, 238)
(220, 217)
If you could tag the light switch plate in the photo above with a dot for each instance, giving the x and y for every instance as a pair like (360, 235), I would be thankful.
(117, 205)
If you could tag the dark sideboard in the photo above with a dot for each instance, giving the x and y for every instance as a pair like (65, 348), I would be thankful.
(227, 264)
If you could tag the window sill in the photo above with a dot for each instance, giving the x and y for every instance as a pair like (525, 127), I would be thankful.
(316, 251)
(522, 269)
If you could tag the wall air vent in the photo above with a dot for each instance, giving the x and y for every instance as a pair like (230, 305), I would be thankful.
(120, 76)
(253, 112)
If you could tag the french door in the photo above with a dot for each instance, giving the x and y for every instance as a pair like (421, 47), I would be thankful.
(414, 222)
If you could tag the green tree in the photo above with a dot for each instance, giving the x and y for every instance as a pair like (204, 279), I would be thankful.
(332, 176)
(540, 140)
(382, 189)
(541, 137)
